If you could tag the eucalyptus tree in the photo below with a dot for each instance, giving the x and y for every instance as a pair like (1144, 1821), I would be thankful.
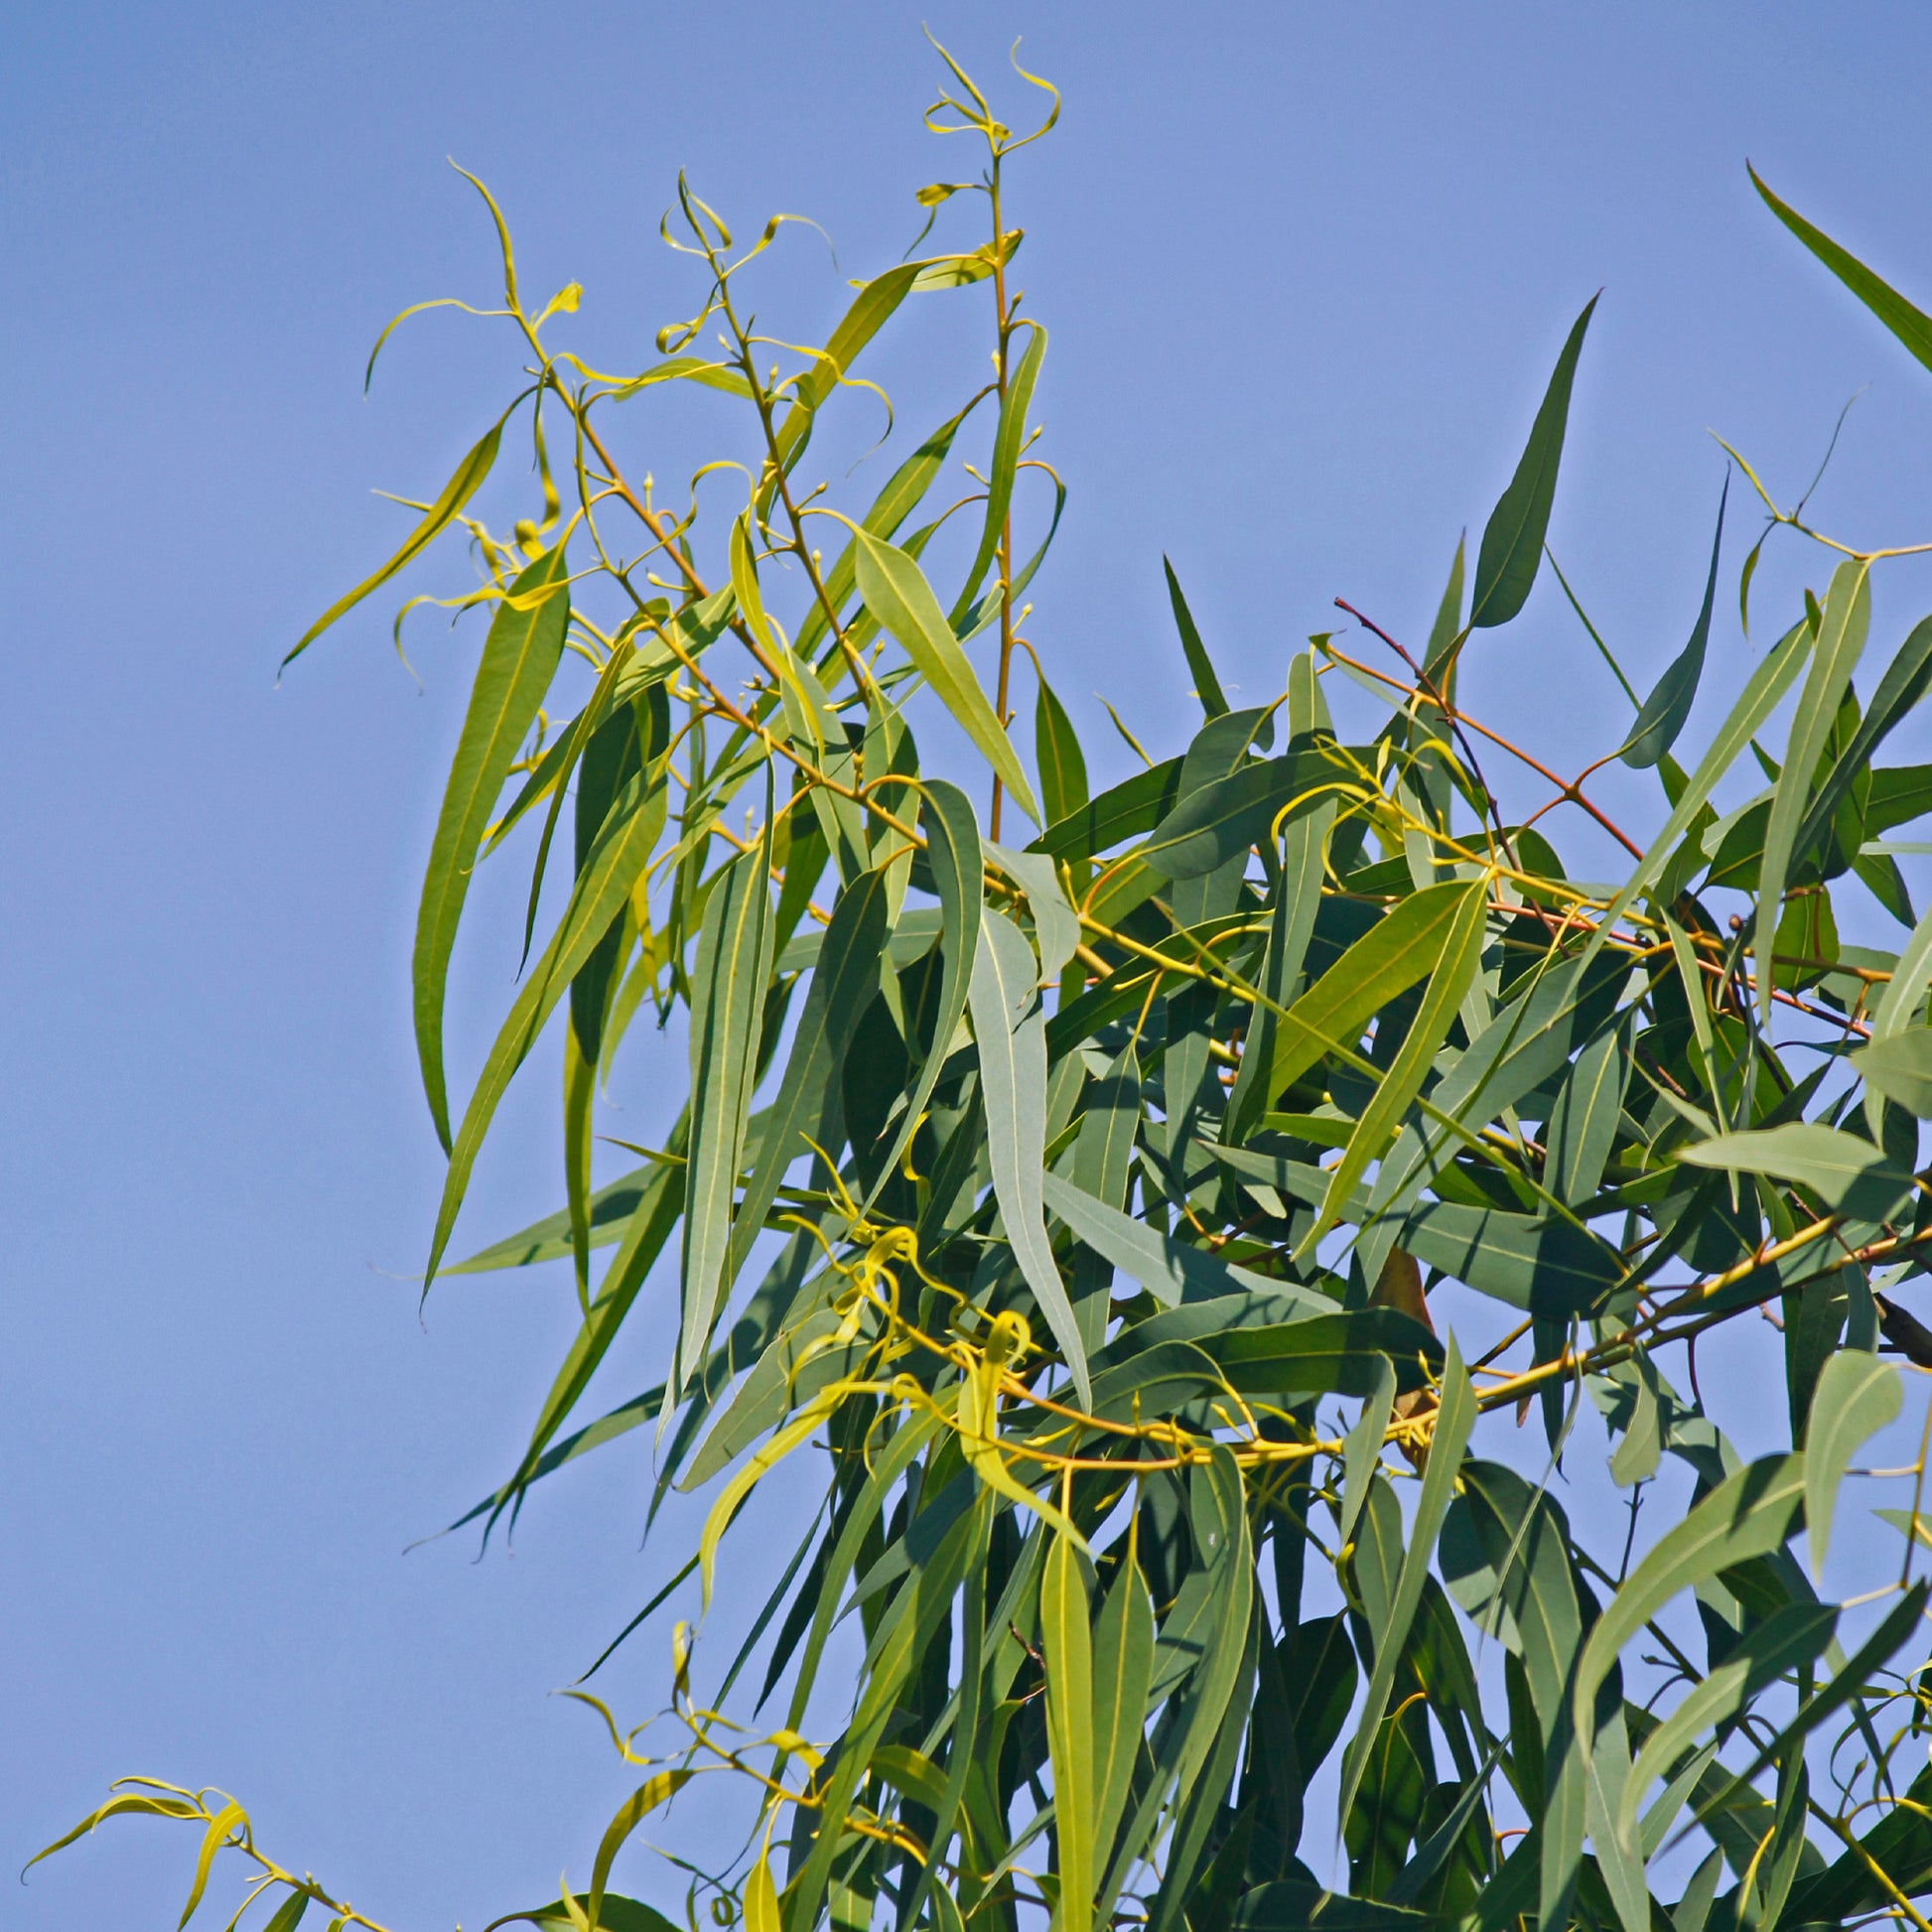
(1154, 1213)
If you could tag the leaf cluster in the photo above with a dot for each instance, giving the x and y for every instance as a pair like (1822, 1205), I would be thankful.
(1079, 1194)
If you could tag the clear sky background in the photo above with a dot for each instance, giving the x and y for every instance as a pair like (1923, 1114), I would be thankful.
(1305, 268)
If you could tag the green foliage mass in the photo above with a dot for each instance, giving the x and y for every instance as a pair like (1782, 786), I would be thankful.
(1084, 1187)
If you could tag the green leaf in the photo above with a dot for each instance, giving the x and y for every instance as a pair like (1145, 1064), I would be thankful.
(614, 1914)
(1787, 1639)
(1169, 1269)
(897, 595)
(1898, 1067)
(1755, 702)
(953, 851)
(615, 864)
(1361, 1448)
(1748, 1515)
(1124, 811)
(1008, 438)
(468, 478)
(1223, 818)
(1296, 898)
(1909, 324)
(1207, 687)
(1448, 626)
(1899, 690)
(869, 313)
(610, 1208)
(520, 658)
(654, 1791)
(1857, 1396)
(288, 1914)
(1841, 640)
(902, 493)
(1512, 539)
(728, 982)
(1062, 765)
(1582, 1128)
(1456, 1416)
(1067, 1641)
(1642, 1445)
(1011, 1031)
(1449, 974)
(1387, 960)
(1665, 711)
(1551, 1268)
(1851, 1176)
(1103, 1162)
(844, 982)
(1122, 1667)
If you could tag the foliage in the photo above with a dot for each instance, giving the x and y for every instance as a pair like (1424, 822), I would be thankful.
(1080, 1192)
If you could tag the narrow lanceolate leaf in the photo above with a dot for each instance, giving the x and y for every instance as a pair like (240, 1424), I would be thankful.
(1008, 438)
(1169, 1269)
(953, 850)
(1207, 687)
(1747, 1515)
(1512, 539)
(1068, 1642)
(1841, 640)
(1223, 818)
(1666, 710)
(1453, 1421)
(520, 658)
(896, 593)
(615, 864)
(1449, 974)
(870, 309)
(844, 982)
(1848, 1174)
(1123, 811)
(1791, 1637)
(1298, 898)
(1387, 960)
(464, 485)
(1057, 751)
(1899, 690)
(1011, 1032)
(728, 985)
(1857, 1396)
(1755, 702)
(1123, 1668)
(1582, 1125)
(1910, 324)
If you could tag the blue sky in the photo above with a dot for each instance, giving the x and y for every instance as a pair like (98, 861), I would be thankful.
(1306, 269)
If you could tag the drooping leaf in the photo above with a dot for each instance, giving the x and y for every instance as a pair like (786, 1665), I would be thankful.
(1456, 1415)
(448, 506)
(1857, 1396)
(734, 963)
(1011, 1032)
(1067, 1641)
(615, 865)
(520, 658)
